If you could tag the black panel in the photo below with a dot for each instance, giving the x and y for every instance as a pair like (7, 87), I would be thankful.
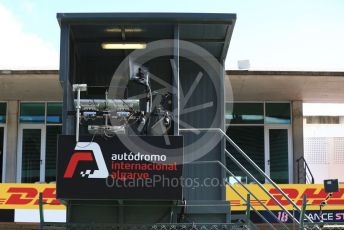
(115, 168)
(6, 215)
(201, 110)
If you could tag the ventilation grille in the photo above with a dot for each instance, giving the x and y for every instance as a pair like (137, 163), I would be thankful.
(338, 146)
(317, 149)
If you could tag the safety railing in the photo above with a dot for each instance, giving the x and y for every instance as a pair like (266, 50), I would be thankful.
(304, 172)
(114, 226)
(246, 200)
(256, 167)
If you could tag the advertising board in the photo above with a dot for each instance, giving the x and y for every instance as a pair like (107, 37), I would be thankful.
(315, 215)
(315, 195)
(120, 167)
(26, 196)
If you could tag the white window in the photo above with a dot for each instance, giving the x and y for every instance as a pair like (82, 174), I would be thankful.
(40, 125)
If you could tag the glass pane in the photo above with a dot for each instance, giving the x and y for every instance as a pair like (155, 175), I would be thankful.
(251, 140)
(2, 112)
(31, 155)
(245, 113)
(32, 112)
(279, 155)
(54, 113)
(51, 148)
(277, 113)
(1, 150)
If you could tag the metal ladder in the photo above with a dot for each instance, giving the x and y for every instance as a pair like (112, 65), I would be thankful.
(261, 172)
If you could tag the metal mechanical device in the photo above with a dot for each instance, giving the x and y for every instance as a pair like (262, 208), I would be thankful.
(110, 116)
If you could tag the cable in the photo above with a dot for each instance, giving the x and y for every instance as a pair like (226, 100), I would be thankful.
(124, 103)
(109, 135)
(88, 144)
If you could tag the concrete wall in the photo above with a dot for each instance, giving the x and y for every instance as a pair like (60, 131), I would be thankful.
(324, 148)
(11, 145)
(30, 85)
(319, 87)
(297, 131)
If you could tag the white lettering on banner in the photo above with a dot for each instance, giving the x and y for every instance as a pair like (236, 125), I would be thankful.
(138, 157)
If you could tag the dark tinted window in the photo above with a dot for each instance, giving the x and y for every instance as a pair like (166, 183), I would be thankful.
(278, 145)
(32, 112)
(251, 140)
(31, 158)
(245, 113)
(2, 112)
(52, 133)
(277, 113)
(54, 112)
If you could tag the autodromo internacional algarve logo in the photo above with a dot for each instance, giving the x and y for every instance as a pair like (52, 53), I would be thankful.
(85, 151)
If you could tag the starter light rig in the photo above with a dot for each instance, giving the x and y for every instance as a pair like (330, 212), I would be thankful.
(131, 116)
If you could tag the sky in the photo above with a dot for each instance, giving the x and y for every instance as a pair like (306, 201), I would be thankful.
(272, 34)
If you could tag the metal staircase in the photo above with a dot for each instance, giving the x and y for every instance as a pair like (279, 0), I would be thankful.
(295, 220)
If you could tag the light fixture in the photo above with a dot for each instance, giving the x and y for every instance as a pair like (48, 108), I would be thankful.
(123, 46)
(113, 30)
(127, 30)
(133, 30)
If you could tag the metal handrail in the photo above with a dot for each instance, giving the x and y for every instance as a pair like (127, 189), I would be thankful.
(247, 190)
(257, 168)
(254, 209)
(309, 170)
(261, 186)
(256, 198)
(306, 168)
